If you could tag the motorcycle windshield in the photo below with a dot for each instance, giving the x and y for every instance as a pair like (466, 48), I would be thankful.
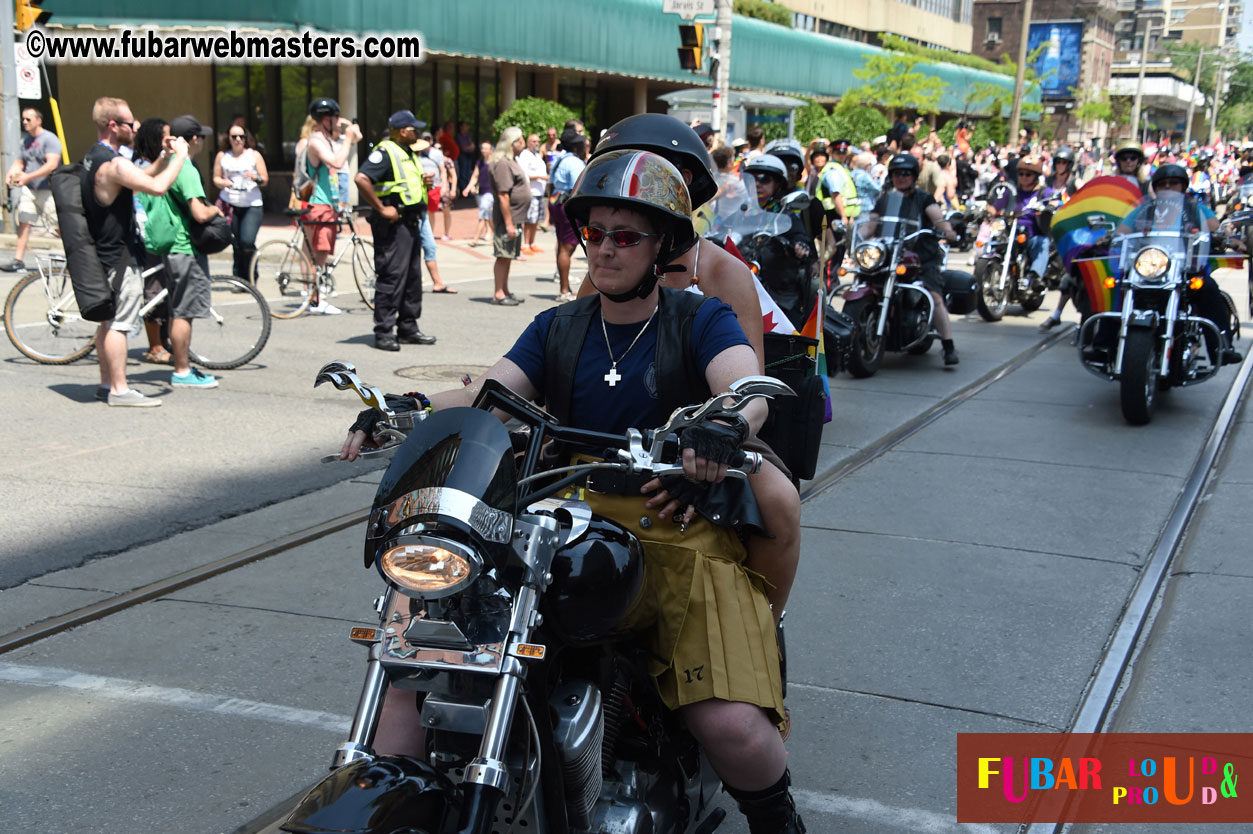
(462, 449)
(899, 220)
(734, 213)
(1168, 222)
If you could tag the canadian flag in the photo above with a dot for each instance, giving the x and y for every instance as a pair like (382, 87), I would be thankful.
(773, 319)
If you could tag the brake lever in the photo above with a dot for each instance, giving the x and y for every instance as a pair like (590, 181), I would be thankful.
(743, 391)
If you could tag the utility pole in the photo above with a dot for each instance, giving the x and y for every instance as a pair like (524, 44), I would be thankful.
(9, 110)
(721, 67)
(1218, 94)
(1196, 86)
(1020, 77)
(1144, 57)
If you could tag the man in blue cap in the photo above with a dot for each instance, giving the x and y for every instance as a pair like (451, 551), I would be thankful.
(391, 182)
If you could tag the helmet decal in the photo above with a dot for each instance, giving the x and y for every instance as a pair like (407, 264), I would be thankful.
(647, 178)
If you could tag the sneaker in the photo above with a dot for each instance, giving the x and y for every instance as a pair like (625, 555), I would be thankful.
(132, 399)
(1049, 323)
(14, 266)
(325, 308)
(194, 378)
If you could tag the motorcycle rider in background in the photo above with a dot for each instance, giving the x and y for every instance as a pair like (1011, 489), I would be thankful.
(837, 194)
(1208, 300)
(772, 186)
(1128, 157)
(630, 208)
(1062, 178)
(1028, 173)
(903, 176)
(792, 155)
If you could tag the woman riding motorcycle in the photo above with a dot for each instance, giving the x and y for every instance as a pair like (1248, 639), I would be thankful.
(703, 266)
(622, 358)
(1062, 179)
(1128, 157)
(903, 173)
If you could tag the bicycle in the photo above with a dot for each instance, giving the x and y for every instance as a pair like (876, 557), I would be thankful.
(287, 265)
(42, 320)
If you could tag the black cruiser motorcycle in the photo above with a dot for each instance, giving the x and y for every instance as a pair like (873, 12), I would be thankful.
(505, 615)
(1145, 336)
(889, 308)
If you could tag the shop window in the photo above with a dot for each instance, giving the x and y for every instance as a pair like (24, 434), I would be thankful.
(489, 105)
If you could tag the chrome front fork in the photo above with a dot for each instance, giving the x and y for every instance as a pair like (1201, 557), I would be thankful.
(888, 289)
(365, 721)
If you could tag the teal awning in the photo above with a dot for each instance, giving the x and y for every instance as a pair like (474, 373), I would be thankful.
(632, 38)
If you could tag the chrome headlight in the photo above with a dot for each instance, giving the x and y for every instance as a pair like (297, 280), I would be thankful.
(997, 224)
(429, 567)
(869, 256)
(1152, 263)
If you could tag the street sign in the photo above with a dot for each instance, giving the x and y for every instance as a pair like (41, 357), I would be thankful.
(28, 80)
(688, 9)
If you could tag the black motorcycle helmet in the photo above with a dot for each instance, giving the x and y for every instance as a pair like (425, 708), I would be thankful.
(671, 139)
(643, 182)
(1171, 171)
(320, 108)
(792, 154)
(904, 162)
(1065, 154)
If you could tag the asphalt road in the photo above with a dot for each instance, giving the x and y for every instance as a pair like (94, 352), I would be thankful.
(965, 581)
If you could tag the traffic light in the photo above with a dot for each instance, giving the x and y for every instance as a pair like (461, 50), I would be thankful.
(28, 14)
(691, 53)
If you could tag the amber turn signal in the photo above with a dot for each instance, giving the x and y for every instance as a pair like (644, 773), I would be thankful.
(900, 270)
(1196, 283)
(1021, 238)
(1110, 282)
(841, 272)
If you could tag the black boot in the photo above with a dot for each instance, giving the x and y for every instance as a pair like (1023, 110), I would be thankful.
(770, 811)
(950, 352)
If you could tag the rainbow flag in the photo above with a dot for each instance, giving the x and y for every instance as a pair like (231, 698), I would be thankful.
(1110, 198)
(1227, 261)
(813, 330)
(1094, 271)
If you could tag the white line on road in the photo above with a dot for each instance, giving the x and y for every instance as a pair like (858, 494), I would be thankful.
(127, 690)
(870, 810)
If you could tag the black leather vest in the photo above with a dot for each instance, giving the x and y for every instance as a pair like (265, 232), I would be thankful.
(679, 381)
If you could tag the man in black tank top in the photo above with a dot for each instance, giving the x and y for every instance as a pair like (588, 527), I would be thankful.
(109, 205)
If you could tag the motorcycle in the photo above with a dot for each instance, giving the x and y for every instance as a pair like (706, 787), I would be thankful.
(508, 612)
(1002, 267)
(966, 220)
(888, 308)
(1143, 334)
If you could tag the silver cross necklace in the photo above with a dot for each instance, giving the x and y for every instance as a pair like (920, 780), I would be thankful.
(613, 376)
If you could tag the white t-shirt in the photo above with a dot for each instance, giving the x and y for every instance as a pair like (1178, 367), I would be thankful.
(533, 166)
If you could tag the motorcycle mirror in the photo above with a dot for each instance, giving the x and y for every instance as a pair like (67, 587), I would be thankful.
(797, 200)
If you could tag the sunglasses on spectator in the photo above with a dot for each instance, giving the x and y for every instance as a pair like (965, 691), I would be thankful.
(621, 238)
(237, 136)
(1123, 157)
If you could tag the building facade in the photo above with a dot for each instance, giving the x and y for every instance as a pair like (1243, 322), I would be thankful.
(941, 23)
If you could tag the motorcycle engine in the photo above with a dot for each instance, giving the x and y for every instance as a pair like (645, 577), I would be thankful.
(579, 732)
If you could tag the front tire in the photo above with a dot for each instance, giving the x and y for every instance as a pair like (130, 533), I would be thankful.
(1138, 383)
(43, 322)
(237, 328)
(284, 274)
(992, 298)
(363, 270)
(867, 352)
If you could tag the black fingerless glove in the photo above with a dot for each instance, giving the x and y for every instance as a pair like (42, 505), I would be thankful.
(682, 490)
(368, 420)
(716, 441)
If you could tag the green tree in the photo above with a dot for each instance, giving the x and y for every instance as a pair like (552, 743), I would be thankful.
(1235, 112)
(813, 121)
(892, 82)
(761, 10)
(857, 122)
(533, 115)
(997, 99)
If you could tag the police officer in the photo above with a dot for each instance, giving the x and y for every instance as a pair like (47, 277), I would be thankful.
(391, 181)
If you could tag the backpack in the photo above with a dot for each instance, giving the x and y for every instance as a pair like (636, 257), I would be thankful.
(301, 182)
(93, 289)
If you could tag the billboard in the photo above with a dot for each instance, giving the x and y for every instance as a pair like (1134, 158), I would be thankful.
(1058, 63)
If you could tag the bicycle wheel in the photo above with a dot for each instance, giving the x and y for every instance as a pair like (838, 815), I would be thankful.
(281, 271)
(237, 328)
(43, 322)
(363, 269)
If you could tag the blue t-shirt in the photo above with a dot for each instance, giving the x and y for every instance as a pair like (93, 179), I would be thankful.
(565, 173)
(632, 403)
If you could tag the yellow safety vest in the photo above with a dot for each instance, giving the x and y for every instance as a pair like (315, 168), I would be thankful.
(852, 203)
(406, 182)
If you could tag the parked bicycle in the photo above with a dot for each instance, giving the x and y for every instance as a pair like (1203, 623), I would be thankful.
(284, 269)
(42, 320)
